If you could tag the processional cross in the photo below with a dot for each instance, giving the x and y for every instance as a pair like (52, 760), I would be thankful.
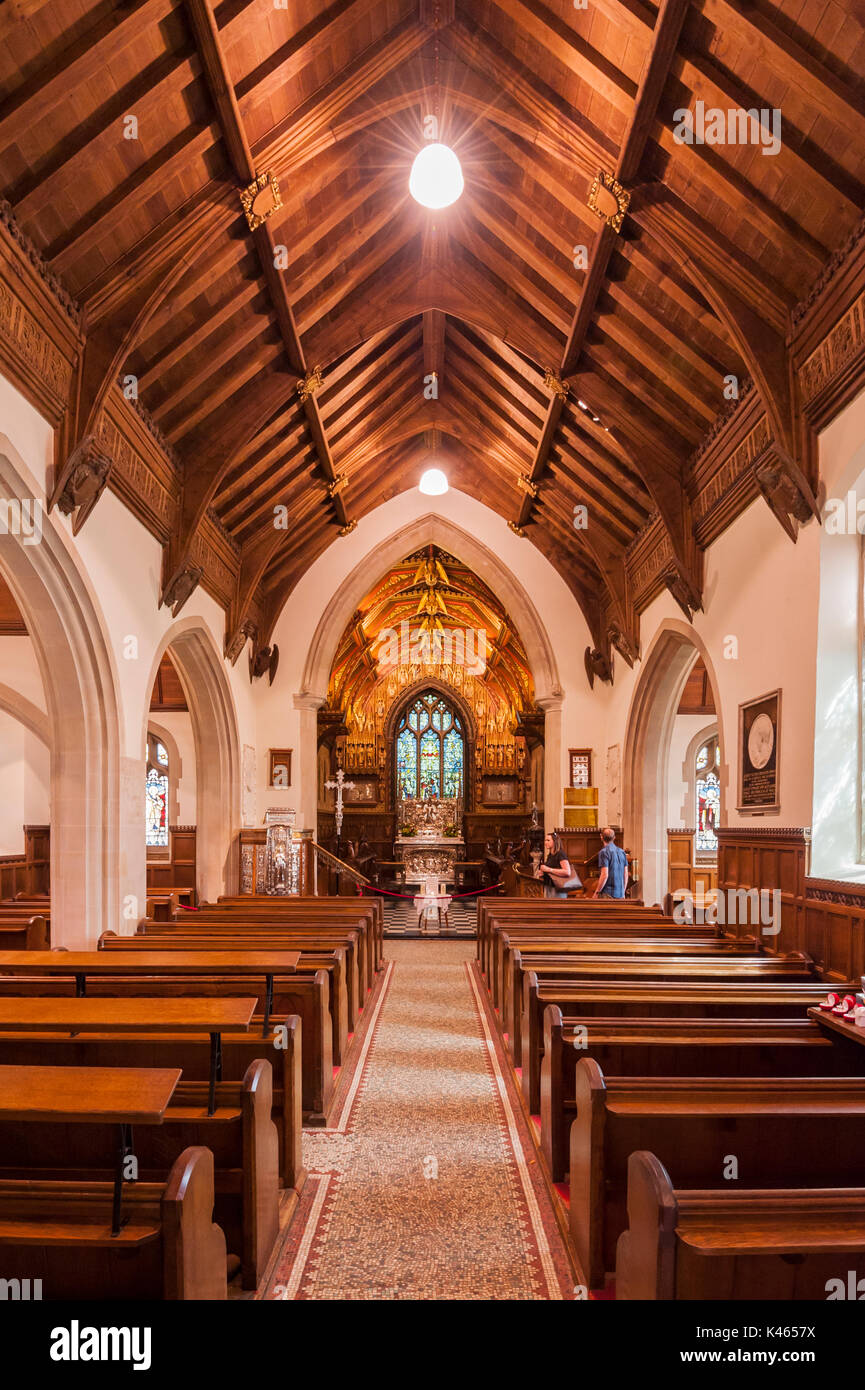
(340, 785)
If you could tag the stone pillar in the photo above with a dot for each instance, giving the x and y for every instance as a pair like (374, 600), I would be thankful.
(306, 795)
(554, 761)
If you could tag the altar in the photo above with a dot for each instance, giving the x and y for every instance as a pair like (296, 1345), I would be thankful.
(430, 839)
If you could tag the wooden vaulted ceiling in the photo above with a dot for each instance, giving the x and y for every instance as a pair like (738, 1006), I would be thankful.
(375, 653)
(219, 326)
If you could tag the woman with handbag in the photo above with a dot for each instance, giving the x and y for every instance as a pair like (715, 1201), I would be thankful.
(556, 871)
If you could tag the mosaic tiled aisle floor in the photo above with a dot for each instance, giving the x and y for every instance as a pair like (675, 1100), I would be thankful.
(427, 1186)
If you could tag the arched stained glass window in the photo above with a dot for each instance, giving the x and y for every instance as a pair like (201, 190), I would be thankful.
(156, 794)
(429, 750)
(708, 796)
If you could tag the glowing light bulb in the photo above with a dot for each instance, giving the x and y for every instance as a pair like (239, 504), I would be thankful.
(433, 482)
(436, 179)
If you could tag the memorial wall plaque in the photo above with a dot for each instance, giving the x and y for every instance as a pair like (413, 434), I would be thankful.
(759, 761)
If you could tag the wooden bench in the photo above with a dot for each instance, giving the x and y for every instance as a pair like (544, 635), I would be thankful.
(653, 994)
(740, 1244)
(239, 936)
(346, 911)
(552, 918)
(333, 962)
(776, 1130)
(187, 1050)
(169, 1247)
(523, 953)
(23, 931)
(672, 1047)
(240, 1134)
(305, 996)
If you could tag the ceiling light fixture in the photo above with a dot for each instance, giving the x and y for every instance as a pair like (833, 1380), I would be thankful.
(436, 179)
(433, 483)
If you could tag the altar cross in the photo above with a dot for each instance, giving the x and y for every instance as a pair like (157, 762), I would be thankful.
(340, 785)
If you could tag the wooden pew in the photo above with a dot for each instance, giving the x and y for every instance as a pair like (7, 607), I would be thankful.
(740, 1244)
(673, 1047)
(169, 1247)
(312, 935)
(526, 935)
(191, 1053)
(240, 1134)
(520, 952)
(310, 909)
(23, 932)
(652, 992)
(333, 962)
(556, 918)
(776, 1129)
(305, 996)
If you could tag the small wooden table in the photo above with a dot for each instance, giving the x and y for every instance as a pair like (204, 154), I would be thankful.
(81, 964)
(83, 1015)
(839, 1025)
(91, 1095)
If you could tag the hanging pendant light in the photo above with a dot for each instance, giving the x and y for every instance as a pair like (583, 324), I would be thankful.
(436, 179)
(433, 483)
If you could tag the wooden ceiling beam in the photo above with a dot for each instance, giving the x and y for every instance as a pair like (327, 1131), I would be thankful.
(187, 344)
(79, 65)
(641, 105)
(242, 336)
(239, 370)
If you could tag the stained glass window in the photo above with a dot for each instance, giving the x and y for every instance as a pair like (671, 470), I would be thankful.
(708, 796)
(156, 794)
(429, 750)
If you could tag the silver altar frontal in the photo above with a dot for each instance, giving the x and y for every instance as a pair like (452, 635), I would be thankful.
(429, 852)
(284, 858)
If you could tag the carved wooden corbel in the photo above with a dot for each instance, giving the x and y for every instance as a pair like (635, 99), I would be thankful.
(264, 661)
(787, 494)
(235, 644)
(598, 664)
(81, 482)
(177, 592)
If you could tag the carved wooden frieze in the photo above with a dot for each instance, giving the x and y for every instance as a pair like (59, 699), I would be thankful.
(734, 467)
(838, 349)
(40, 337)
(141, 475)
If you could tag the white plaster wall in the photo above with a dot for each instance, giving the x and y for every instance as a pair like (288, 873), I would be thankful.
(19, 669)
(761, 590)
(119, 563)
(25, 779)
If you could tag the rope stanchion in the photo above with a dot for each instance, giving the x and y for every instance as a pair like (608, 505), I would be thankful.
(410, 897)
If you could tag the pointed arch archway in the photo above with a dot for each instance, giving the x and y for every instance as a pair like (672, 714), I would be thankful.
(444, 533)
(673, 651)
(83, 716)
(201, 670)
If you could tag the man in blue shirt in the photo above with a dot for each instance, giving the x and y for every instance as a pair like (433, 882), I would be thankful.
(613, 864)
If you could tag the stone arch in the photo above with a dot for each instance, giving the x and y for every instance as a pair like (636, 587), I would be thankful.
(665, 668)
(28, 714)
(442, 532)
(83, 716)
(217, 750)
